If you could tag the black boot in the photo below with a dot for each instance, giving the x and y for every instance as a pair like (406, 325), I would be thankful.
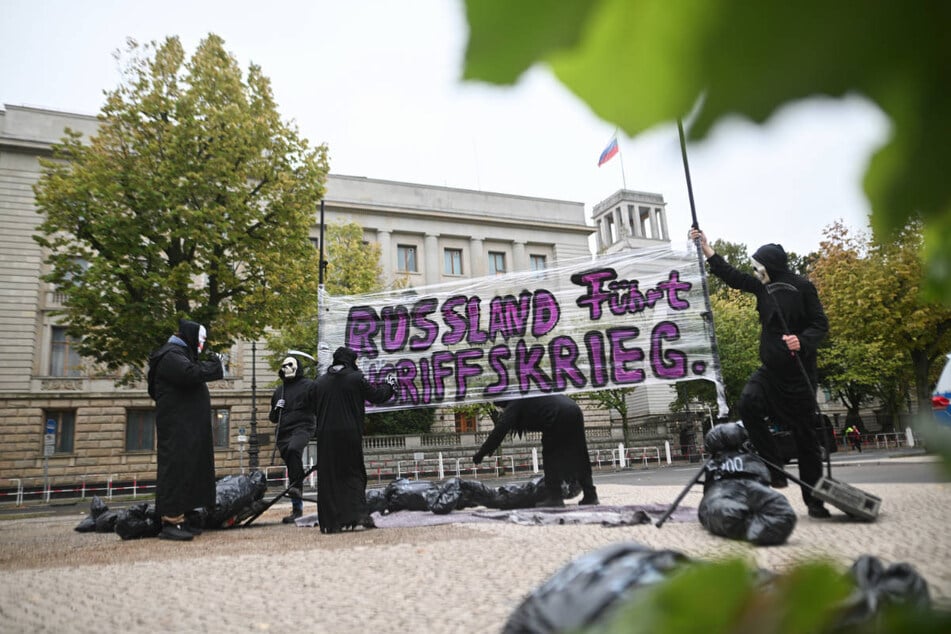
(293, 517)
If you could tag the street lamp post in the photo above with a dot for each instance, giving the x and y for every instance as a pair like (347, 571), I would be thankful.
(253, 445)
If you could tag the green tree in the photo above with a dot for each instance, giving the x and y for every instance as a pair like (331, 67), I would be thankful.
(882, 337)
(353, 267)
(616, 399)
(401, 421)
(193, 200)
(736, 57)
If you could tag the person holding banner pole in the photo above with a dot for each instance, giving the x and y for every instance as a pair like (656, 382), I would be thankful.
(793, 324)
(564, 447)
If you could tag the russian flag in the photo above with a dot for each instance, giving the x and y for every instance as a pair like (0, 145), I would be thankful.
(608, 152)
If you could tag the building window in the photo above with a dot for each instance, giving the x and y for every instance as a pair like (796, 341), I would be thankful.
(496, 263)
(452, 261)
(406, 258)
(140, 430)
(537, 262)
(64, 360)
(465, 422)
(220, 427)
(65, 428)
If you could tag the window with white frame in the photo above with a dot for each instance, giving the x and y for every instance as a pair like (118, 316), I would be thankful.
(220, 427)
(64, 359)
(537, 262)
(452, 261)
(406, 258)
(496, 263)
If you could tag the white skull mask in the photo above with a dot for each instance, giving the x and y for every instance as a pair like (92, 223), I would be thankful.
(202, 337)
(760, 272)
(288, 368)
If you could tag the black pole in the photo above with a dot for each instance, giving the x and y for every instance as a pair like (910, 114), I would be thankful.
(708, 314)
(683, 152)
(323, 264)
(253, 445)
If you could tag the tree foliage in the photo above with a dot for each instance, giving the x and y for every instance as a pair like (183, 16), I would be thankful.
(616, 399)
(194, 199)
(750, 59)
(353, 267)
(882, 337)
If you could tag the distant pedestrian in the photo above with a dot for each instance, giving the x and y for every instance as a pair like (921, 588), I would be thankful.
(855, 437)
(177, 380)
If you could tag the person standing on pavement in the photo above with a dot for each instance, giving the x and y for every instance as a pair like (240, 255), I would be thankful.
(340, 397)
(177, 381)
(293, 413)
(778, 390)
(564, 447)
(855, 437)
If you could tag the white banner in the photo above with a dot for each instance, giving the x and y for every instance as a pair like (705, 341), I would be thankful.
(624, 320)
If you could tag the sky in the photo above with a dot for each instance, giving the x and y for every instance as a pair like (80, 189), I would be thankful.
(380, 83)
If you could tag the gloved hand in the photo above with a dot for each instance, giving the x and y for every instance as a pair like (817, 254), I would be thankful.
(391, 379)
(477, 458)
(279, 404)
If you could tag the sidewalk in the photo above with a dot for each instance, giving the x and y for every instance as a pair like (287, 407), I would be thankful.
(448, 578)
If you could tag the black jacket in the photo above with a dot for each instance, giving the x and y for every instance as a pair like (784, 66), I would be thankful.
(298, 412)
(788, 298)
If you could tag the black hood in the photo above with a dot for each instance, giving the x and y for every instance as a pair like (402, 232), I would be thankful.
(188, 331)
(346, 357)
(773, 257)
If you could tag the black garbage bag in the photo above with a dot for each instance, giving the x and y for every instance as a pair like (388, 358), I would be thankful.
(590, 587)
(233, 495)
(737, 500)
(137, 521)
(106, 521)
(746, 510)
(448, 498)
(410, 495)
(96, 508)
(725, 437)
(878, 586)
(376, 501)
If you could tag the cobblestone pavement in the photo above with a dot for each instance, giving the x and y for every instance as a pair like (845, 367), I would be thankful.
(448, 578)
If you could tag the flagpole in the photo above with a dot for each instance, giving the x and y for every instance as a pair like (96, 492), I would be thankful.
(620, 156)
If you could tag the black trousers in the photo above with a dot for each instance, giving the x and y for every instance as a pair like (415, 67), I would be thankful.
(291, 444)
(766, 399)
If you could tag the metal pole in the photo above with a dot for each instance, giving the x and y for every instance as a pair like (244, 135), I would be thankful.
(723, 410)
(253, 444)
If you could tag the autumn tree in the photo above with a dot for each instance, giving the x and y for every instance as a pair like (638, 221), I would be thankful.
(194, 199)
(616, 399)
(883, 338)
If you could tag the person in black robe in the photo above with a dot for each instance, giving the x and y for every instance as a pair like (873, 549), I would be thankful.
(793, 323)
(177, 380)
(340, 397)
(564, 447)
(293, 413)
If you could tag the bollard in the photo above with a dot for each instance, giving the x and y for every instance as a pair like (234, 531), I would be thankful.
(621, 461)
(534, 460)
(667, 450)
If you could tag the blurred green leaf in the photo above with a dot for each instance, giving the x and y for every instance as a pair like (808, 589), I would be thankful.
(639, 63)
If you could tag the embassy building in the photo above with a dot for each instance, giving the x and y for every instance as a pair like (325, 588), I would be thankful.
(63, 420)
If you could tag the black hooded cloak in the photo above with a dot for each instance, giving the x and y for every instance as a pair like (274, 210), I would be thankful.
(564, 447)
(185, 446)
(778, 390)
(340, 397)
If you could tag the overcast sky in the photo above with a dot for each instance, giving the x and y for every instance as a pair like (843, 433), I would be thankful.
(379, 82)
